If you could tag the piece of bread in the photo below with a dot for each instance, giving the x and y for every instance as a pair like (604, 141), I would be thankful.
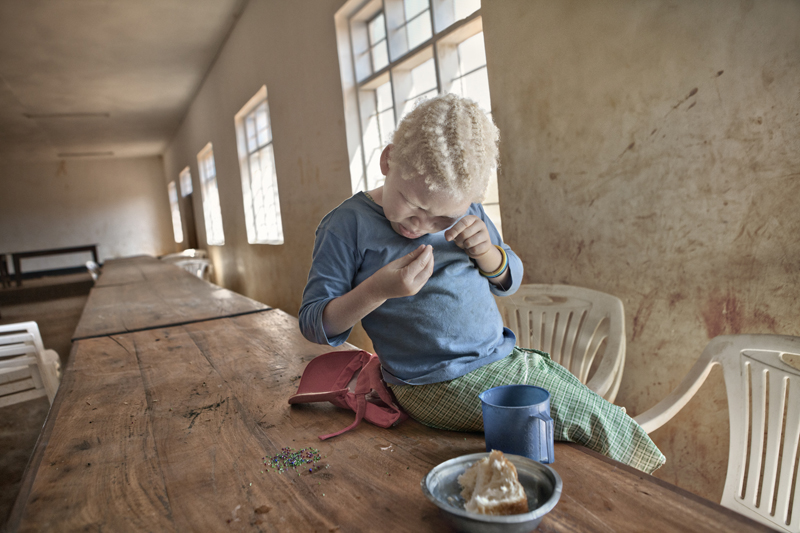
(491, 486)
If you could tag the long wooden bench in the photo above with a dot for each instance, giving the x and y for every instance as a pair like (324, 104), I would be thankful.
(17, 257)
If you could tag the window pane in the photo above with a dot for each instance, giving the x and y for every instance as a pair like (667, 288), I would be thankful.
(423, 78)
(377, 29)
(380, 56)
(186, 182)
(177, 227)
(476, 87)
(423, 85)
(471, 54)
(384, 95)
(414, 7)
(250, 125)
(464, 8)
(385, 127)
(259, 178)
(268, 210)
(375, 177)
(262, 125)
(212, 211)
(419, 30)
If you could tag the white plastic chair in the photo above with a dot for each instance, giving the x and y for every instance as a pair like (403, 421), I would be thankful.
(571, 324)
(94, 269)
(27, 370)
(189, 253)
(201, 268)
(764, 410)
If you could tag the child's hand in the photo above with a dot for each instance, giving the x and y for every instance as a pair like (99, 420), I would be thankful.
(404, 276)
(471, 235)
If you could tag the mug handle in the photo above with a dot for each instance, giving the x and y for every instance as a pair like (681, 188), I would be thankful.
(544, 417)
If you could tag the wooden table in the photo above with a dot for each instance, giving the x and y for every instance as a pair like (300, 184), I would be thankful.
(145, 293)
(17, 257)
(165, 429)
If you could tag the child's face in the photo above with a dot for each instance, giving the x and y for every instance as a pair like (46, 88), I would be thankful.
(413, 210)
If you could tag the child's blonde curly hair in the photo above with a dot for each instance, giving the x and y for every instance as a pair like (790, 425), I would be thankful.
(451, 142)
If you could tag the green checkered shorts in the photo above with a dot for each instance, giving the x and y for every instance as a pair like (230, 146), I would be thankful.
(580, 415)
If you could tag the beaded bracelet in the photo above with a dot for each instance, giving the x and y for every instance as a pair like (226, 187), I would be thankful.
(503, 265)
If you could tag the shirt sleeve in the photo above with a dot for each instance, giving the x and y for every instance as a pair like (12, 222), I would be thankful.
(333, 268)
(515, 268)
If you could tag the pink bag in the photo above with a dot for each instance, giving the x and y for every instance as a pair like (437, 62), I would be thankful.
(350, 379)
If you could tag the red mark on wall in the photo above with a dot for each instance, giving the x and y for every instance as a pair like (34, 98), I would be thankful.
(722, 314)
(643, 314)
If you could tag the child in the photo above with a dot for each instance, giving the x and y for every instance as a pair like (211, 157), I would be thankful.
(417, 261)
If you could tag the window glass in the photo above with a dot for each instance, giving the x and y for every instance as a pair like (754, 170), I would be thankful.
(377, 42)
(464, 8)
(257, 166)
(177, 227)
(418, 22)
(423, 85)
(212, 211)
(186, 182)
(454, 62)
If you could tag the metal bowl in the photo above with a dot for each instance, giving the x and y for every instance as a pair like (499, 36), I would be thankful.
(542, 485)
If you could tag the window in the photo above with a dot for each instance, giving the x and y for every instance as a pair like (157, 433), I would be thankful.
(394, 53)
(210, 193)
(186, 182)
(262, 210)
(177, 227)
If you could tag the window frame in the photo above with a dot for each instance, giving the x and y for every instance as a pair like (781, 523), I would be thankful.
(175, 211)
(357, 76)
(275, 234)
(206, 182)
(185, 181)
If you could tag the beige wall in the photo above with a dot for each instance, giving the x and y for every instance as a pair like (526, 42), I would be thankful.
(652, 150)
(119, 204)
(649, 149)
(290, 47)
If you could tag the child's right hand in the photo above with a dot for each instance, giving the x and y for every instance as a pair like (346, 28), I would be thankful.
(404, 276)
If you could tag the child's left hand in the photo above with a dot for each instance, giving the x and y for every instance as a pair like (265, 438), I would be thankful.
(471, 235)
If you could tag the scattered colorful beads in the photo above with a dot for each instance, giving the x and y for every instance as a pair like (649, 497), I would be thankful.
(291, 458)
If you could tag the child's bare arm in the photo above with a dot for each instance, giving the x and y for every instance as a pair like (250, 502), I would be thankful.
(402, 277)
(471, 234)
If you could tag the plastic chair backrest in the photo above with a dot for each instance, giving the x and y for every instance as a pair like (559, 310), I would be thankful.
(199, 267)
(189, 253)
(762, 378)
(94, 269)
(27, 370)
(572, 324)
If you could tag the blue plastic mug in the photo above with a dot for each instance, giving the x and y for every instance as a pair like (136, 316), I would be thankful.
(516, 419)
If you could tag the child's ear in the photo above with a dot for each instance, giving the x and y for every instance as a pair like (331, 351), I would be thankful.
(385, 159)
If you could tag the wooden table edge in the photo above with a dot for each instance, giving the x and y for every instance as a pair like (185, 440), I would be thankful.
(717, 507)
(38, 452)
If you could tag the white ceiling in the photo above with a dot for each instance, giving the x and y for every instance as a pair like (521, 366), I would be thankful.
(126, 70)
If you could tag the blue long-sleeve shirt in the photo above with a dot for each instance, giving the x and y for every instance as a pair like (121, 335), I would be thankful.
(448, 329)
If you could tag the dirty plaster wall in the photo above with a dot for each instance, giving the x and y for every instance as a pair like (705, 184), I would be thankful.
(290, 47)
(652, 150)
(120, 204)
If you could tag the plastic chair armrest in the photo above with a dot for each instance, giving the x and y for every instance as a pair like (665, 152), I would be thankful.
(663, 411)
(603, 378)
(51, 373)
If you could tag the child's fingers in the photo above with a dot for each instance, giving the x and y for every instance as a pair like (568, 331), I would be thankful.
(411, 256)
(459, 227)
(421, 263)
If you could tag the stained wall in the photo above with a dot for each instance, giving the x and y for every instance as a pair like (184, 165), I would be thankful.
(119, 204)
(652, 150)
(649, 150)
(290, 47)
